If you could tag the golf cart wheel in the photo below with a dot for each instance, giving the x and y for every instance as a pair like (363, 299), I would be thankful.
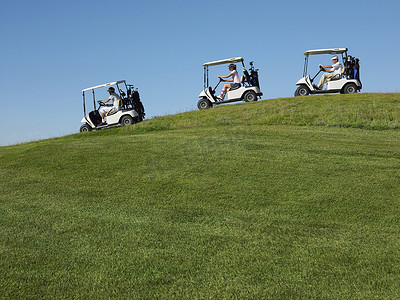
(85, 128)
(302, 90)
(126, 120)
(250, 96)
(350, 89)
(204, 104)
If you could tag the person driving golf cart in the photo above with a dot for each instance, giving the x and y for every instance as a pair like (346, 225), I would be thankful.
(110, 109)
(230, 86)
(339, 79)
(335, 72)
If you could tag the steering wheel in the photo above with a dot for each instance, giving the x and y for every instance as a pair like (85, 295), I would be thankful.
(321, 67)
(103, 104)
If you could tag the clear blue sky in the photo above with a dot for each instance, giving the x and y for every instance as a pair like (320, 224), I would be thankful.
(51, 50)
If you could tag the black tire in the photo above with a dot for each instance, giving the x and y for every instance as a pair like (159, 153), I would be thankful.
(85, 128)
(126, 120)
(204, 104)
(250, 96)
(302, 90)
(350, 88)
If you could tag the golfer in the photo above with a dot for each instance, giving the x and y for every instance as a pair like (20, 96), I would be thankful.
(235, 79)
(335, 72)
(105, 110)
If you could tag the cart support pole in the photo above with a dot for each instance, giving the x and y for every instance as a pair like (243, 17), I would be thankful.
(206, 85)
(305, 70)
(94, 100)
(205, 80)
(84, 106)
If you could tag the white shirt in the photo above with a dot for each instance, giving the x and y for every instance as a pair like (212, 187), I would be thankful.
(337, 68)
(115, 98)
(235, 76)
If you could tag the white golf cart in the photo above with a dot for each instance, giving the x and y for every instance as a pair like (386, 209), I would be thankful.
(348, 83)
(250, 91)
(132, 110)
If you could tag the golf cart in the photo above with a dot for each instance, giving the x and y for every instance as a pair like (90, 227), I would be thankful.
(348, 83)
(131, 108)
(250, 91)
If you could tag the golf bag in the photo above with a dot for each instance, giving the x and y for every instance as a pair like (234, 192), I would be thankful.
(352, 65)
(247, 78)
(252, 78)
(133, 101)
(137, 104)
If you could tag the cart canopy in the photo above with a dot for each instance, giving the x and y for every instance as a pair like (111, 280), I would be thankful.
(223, 61)
(326, 51)
(103, 85)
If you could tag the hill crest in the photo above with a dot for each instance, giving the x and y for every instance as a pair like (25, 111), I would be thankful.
(377, 111)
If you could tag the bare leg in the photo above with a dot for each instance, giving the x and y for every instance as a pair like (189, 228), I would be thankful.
(225, 89)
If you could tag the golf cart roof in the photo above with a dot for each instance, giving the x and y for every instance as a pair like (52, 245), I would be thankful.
(326, 51)
(103, 85)
(223, 61)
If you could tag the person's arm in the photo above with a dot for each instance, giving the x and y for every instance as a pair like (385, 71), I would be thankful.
(326, 68)
(105, 101)
(227, 76)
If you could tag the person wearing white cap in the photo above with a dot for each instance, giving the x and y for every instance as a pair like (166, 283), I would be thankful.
(334, 73)
(104, 110)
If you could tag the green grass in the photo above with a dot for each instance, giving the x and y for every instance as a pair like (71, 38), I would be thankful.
(292, 198)
(368, 111)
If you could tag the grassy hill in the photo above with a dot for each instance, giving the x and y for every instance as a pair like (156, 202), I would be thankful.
(288, 198)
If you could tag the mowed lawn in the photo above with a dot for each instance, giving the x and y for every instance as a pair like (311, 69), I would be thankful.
(225, 212)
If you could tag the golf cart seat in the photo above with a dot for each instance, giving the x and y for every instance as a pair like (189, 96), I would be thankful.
(235, 88)
(338, 77)
(111, 112)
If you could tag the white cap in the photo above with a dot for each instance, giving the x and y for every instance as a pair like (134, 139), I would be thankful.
(335, 57)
